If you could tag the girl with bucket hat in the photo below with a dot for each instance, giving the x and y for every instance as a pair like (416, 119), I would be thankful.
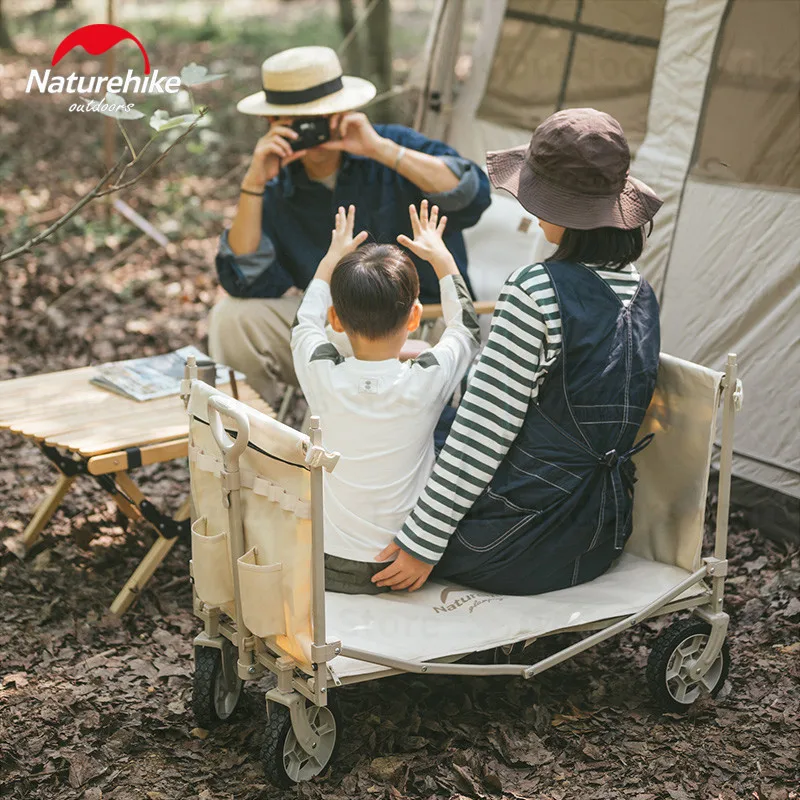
(320, 153)
(533, 489)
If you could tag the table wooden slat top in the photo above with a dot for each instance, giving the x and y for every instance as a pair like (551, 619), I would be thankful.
(111, 434)
(64, 409)
(22, 394)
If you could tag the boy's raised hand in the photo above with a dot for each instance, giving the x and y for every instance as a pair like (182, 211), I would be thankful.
(427, 243)
(342, 242)
(342, 239)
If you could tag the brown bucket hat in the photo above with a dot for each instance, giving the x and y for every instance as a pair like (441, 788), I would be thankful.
(574, 173)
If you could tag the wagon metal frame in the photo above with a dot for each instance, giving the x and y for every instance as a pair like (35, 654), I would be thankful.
(301, 688)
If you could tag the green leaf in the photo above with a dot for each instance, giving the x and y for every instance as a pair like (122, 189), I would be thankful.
(161, 121)
(116, 107)
(194, 74)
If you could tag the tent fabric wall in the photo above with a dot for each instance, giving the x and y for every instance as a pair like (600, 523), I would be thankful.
(561, 53)
(676, 102)
(471, 136)
(522, 240)
(605, 48)
(754, 97)
(737, 233)
(434, 73)
(734, 248)
(724, 255)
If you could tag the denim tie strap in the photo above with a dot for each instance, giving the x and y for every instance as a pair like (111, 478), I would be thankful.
(621, 479)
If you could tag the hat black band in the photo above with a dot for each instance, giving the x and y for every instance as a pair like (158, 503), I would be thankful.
(300, 96)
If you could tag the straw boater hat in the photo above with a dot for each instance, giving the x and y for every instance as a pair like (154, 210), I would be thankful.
(306, 82)
(574, 173)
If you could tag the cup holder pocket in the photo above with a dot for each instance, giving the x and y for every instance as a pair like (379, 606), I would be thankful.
(211, 565)
(260, 587)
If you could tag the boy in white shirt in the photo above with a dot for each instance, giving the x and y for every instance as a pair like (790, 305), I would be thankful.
(378, 412)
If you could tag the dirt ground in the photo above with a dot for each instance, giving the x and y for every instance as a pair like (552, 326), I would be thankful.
(97, 708)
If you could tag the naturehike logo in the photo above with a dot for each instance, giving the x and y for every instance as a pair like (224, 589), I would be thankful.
(479, 598)
(447, 591)
(96, 40)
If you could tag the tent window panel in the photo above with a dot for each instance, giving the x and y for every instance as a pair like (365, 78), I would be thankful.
(526, 75)
(751, 122)
(557, 9)
(577, 24)
(615, 78)
(639, 17)
(547, 59)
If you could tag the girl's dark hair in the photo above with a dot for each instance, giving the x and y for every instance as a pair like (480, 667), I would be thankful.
(607, 247)
(374, 289)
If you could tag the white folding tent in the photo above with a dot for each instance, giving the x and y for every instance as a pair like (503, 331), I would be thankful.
(708, 92)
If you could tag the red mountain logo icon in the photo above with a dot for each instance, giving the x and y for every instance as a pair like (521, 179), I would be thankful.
(96, 40)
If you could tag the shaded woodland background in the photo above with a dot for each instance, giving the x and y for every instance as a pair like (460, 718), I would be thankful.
(96, 708)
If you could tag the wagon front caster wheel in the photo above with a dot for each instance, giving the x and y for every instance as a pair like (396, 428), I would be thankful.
(217, 688)
(285, 762)
(672, 656)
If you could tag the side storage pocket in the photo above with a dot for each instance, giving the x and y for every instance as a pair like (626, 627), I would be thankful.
(211, 565)
(260, 586)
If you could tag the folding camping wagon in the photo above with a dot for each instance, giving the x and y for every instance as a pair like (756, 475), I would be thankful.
(258, 572)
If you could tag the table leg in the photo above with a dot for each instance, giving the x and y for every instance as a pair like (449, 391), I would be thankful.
(155, 555)
(185, 509)
(45, 511)
(148, 565)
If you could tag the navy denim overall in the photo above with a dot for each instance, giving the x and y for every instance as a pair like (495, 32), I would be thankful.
(558, 510)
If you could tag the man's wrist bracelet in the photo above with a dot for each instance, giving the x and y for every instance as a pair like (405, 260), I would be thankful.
(249, 191)
(400, 153)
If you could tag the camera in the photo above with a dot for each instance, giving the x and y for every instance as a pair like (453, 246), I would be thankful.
(311, 131)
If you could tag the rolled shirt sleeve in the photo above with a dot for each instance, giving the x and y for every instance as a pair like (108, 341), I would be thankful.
(465, 202)
(461, 196)
(256, 274)
(250, 265)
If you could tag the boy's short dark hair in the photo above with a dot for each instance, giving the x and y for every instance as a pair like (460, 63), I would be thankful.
(613, 248)
(374, 289)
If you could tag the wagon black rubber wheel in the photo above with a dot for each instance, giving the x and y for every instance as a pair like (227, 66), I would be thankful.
(674, 651)
(215, 692)
(285, 763)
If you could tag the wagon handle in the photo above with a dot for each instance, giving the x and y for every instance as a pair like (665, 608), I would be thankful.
(231, 449)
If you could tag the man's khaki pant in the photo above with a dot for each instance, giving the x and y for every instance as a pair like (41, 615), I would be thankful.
(252, 336)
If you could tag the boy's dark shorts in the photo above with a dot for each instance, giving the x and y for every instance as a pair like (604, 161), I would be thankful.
(352, 577)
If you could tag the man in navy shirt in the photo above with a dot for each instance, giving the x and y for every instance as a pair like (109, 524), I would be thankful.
(288, 200)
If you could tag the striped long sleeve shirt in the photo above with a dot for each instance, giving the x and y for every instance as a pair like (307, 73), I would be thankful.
(524, 341)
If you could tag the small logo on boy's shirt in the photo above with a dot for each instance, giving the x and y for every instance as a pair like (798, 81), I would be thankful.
(369, 386)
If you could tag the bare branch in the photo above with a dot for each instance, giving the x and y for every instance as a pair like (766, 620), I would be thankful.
(99, 191)
(117, 187)
(127, 140)
(141, 153)
(66, 217)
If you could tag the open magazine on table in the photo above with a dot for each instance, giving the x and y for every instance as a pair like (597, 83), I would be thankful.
(154, 376)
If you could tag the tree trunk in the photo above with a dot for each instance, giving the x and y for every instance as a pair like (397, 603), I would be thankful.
(5, 36)
(379, 55)
(352, 55)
